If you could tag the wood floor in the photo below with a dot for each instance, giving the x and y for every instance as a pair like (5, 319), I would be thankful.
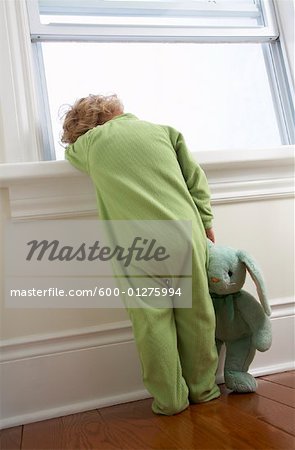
(264, 420)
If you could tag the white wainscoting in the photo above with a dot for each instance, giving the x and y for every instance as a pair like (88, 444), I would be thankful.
(52, 375)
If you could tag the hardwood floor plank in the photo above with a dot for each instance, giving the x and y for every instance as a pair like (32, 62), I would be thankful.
(10, 438)
(276, 414)
(218, 426)
(44, 435)
(210, 426)
(134, 426)
(76, 431)
(285, 378)
(277, 392)
(85, 431)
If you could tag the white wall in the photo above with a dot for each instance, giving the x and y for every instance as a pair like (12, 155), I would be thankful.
(265, 229)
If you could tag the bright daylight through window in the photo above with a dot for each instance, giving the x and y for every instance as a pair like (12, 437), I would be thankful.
(207, 68)
(217, 95)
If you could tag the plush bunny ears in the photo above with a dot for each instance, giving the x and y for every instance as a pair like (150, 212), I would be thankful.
(257, 278)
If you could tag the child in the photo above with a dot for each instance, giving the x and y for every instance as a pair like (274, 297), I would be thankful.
(144, 171)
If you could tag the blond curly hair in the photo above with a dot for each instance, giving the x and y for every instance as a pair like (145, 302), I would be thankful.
(87, 113)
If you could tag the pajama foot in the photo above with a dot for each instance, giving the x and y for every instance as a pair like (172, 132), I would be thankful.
(168, 409)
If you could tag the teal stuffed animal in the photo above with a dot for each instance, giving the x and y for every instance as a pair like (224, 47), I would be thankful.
(242, 324)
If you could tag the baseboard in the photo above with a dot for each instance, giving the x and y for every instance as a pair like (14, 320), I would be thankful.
(74, 408)
(263, 370)
(54, 375)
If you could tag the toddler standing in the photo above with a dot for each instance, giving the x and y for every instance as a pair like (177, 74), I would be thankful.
(144, 171)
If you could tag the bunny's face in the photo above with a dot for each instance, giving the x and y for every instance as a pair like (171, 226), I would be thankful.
(226, 273)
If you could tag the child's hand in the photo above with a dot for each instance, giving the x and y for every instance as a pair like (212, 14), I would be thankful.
(210, 234)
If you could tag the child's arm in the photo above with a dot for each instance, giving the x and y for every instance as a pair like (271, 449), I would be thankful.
(77, 153)
(195, 179)
(210, 234)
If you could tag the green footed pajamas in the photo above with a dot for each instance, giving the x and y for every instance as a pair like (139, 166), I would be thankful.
(144, 171)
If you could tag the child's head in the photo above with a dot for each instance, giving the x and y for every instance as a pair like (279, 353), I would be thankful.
(87, 113)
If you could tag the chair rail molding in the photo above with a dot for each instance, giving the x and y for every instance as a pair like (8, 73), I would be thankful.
(54, 189)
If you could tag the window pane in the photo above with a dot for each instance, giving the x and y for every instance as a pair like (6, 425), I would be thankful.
(217, 95)
(202, 21)
(196, 13)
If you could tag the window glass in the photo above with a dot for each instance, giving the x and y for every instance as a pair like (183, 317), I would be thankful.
(202, 21)
(194, 13)
(217, 95)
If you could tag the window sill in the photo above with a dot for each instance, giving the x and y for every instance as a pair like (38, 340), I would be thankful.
(54, 189)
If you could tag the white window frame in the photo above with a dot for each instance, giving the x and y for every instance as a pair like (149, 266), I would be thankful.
(264, 33)
(24, 139)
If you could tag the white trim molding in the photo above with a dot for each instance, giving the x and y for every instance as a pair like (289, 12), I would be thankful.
(49, 376)
(284, 307)
(266, 30)
(46, 376)
(27, 347)
(54, 189)
(77, 339)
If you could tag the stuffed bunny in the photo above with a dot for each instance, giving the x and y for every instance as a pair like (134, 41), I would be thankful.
(241, 323)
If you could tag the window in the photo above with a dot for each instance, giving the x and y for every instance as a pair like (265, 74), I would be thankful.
(193, 87)
(212, 69)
